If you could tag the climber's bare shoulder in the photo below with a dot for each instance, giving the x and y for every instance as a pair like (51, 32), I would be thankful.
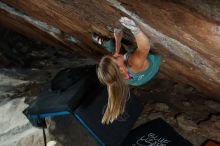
(138, 61)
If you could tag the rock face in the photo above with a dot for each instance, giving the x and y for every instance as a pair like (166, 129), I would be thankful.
(15, 129)
(26, 66)
(186, 33)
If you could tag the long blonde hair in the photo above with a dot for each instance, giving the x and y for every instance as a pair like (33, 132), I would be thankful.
(118, 91)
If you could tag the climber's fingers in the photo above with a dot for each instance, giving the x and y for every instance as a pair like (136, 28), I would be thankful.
(128, 23)
(117, 30)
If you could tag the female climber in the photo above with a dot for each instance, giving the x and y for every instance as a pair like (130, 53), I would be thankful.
(118, 71)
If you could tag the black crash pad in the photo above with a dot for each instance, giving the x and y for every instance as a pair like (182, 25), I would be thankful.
(108, 135)
(155, 133)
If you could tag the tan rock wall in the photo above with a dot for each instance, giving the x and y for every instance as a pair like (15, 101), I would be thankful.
(187, 35)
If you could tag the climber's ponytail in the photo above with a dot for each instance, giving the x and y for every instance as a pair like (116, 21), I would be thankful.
(118, 90)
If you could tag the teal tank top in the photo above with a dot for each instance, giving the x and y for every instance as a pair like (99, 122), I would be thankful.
(141, 78)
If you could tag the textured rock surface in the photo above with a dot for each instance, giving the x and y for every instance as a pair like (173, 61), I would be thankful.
(15, 129)
(186, 33)
(28, 66)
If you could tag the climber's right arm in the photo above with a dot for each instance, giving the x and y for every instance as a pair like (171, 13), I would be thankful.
(118, 38)
(143, 44)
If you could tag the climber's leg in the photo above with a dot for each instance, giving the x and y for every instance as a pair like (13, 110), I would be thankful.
(108, 44)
